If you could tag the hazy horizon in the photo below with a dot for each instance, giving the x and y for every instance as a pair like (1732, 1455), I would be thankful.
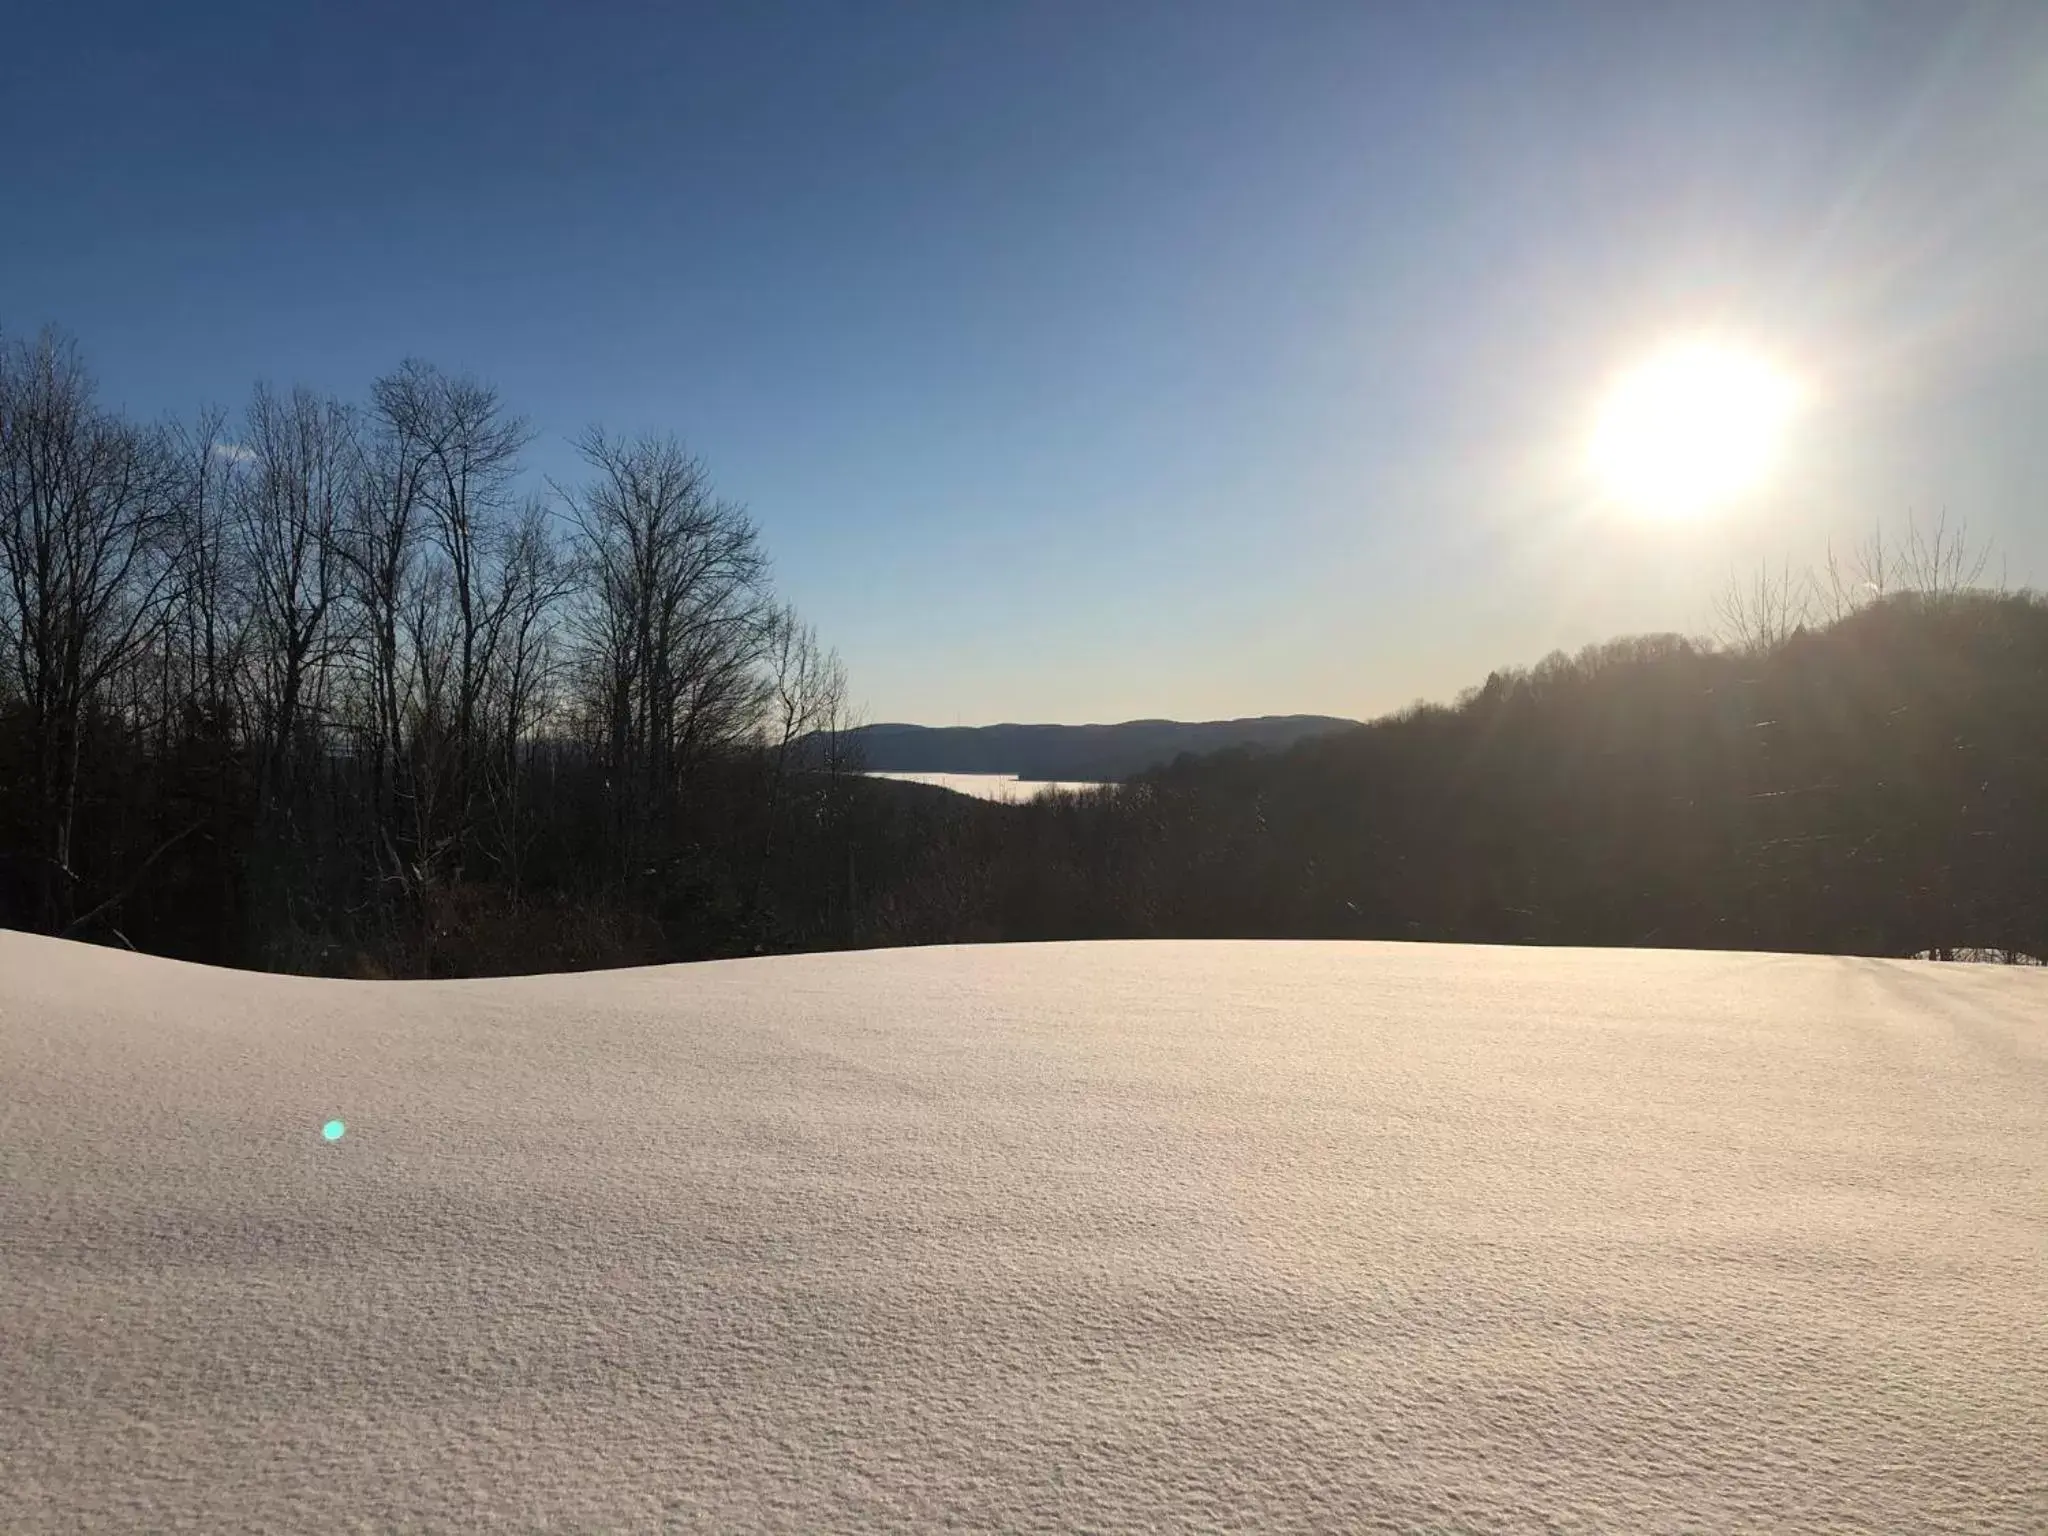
(1189, 362)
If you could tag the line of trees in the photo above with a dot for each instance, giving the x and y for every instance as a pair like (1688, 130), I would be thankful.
(320, 687)
(329, 688)
(1859, 766)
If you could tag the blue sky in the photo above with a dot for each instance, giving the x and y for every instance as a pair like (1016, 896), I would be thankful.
(1083, 362)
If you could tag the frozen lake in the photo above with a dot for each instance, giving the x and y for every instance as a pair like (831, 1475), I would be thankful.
(987, 786)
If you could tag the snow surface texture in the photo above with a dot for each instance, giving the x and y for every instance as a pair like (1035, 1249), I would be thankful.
(1119, 1236)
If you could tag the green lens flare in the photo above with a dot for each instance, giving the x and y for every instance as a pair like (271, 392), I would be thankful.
(332, 1130)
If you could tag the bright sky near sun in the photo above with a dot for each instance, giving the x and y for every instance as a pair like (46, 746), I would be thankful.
(1089, 362)
(1691, 430)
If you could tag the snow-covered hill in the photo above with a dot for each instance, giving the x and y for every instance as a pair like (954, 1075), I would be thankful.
(1161, 1236)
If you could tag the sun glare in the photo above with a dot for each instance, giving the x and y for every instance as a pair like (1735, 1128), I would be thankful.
(1694, 428)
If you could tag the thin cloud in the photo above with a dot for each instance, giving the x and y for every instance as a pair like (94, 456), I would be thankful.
(234, 453)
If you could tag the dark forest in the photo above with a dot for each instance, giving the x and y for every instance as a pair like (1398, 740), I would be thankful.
(319, 687)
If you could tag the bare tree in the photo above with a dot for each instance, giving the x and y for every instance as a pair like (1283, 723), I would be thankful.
(1762, 612)
(533, 580)
(207, 618)
(382, 545)
(806, 690)
(86, 506)
(429, 753)
(467, 448)
(290, 499)
(671, 619)
(184, 671)
(806, 684)
(1938, 561)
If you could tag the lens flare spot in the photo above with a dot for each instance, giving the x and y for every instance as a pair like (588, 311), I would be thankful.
(333, 1130)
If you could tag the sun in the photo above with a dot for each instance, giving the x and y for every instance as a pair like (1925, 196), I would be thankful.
(1694, 428)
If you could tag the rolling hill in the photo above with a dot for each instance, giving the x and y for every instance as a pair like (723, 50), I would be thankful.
(1279, 1236)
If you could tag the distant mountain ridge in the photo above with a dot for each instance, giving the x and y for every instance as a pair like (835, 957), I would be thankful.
(1087, 752)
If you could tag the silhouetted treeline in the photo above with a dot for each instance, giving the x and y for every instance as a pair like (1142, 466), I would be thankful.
(317, 688)
(322, 688)
(1874, 785)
